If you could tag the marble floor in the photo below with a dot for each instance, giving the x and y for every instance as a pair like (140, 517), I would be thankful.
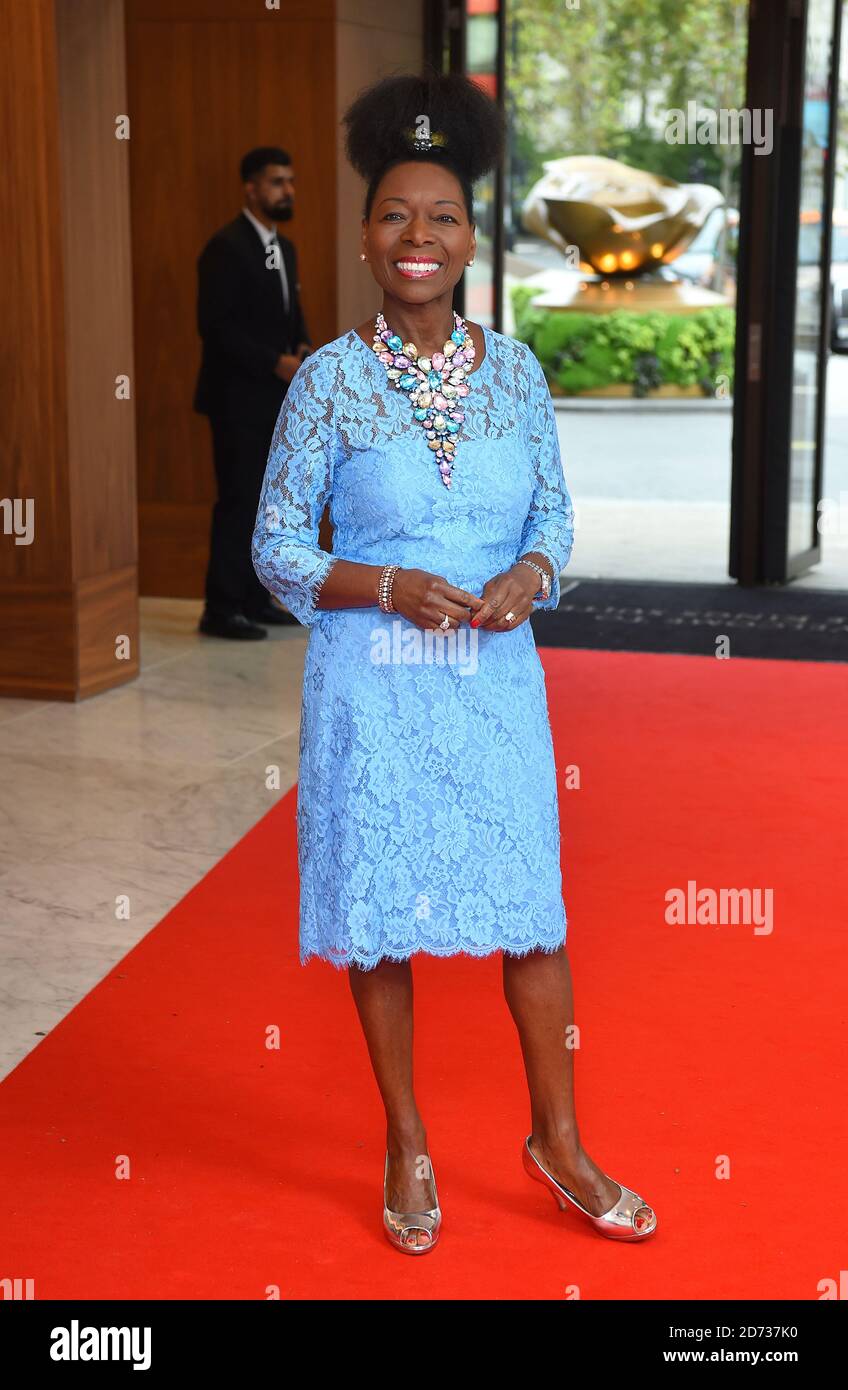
(136, 792)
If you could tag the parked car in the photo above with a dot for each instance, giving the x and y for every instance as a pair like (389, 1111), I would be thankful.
(699, 262)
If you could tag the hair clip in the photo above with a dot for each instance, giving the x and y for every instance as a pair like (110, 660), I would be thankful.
(422, 138)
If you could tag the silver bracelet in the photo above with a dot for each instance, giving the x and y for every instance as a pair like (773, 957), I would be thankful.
(546, 579)
(384, 589)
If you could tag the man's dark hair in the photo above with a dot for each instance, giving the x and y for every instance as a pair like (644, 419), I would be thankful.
(256, 160)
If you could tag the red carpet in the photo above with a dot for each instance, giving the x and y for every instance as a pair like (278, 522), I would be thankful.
(252, 1168)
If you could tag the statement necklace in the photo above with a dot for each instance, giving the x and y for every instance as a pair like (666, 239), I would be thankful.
(435, 384)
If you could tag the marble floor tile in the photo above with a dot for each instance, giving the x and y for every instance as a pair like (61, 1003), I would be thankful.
(15, 709)
(138, 791)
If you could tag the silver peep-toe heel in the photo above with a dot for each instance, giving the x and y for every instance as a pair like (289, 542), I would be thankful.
(630, 1218)
(398, 1225)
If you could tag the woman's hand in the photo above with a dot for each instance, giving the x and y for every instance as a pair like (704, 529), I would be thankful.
(510, 592)
(425, 598)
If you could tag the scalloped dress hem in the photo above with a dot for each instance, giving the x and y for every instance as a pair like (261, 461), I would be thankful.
(368, 961)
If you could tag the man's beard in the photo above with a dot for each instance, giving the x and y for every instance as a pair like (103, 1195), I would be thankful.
(281, 212)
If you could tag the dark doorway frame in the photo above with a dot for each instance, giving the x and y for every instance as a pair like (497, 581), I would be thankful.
(770, 206)
(446, 49)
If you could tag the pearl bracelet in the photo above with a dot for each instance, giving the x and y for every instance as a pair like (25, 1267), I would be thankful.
(384, 591)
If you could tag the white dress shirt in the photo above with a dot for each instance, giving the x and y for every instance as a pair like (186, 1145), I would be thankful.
(269, 234)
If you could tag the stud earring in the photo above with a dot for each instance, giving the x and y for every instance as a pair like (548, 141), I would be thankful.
(362, 256)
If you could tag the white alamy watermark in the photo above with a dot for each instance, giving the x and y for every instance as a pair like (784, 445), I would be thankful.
(17, 518)
(701, 125)
(16, 1288)
(833, 1288)
(80, 1342)
(721, 907)
(398, 644)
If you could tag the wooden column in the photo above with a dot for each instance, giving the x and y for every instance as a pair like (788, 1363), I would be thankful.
(68, 585)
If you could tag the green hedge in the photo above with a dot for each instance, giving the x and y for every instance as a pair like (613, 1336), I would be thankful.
(581, 352)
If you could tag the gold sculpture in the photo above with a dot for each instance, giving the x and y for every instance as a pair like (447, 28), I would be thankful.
(613, 220)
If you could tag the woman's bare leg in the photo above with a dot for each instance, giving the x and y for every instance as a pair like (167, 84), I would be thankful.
(383, 998)
(537, 988)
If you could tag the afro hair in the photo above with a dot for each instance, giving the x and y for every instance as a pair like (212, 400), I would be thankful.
(380, 119)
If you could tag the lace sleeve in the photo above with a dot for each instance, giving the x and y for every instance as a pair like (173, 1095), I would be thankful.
(298, 480)
(549, 527)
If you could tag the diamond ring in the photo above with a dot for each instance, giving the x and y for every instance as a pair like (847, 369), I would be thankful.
(445, 623)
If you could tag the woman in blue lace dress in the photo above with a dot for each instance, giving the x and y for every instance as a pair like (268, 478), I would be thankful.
(427, 805)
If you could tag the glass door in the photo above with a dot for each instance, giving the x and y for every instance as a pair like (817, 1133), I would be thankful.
(812, 292)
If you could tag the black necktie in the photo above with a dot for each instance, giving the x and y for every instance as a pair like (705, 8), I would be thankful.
(275, 241)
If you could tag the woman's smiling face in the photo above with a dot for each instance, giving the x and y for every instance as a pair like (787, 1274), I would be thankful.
(418, 238)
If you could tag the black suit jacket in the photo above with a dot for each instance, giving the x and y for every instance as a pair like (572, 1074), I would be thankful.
(243, 322)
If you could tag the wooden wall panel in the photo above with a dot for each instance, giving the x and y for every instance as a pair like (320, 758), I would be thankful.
(209, 79)
(32, 343)
(373, 39)
(203, 11)
(98, 284)
(66, 309)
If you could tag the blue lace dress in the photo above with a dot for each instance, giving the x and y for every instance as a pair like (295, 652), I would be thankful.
(427, 810)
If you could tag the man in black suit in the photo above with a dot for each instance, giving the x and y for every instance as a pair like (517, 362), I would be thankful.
(254, 339)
